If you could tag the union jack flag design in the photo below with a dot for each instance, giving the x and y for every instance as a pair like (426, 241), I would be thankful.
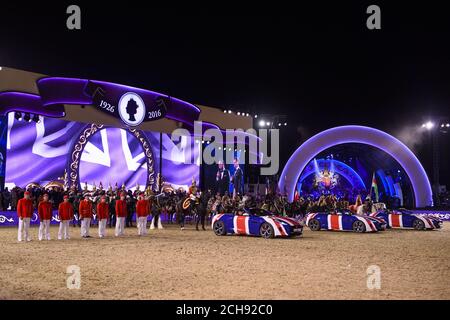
(402, 219)
(240, 225)
(256, 222)
(343, 221)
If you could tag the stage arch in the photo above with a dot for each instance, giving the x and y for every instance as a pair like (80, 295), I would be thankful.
(364, 135)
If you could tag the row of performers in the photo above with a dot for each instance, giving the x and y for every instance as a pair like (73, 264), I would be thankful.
(86, 211)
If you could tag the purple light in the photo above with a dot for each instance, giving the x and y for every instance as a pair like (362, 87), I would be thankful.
(27, 102)
(358, 134)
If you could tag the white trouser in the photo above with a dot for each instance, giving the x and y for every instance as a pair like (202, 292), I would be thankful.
(102, 228)
(44, 230)
(142, 226)
(120, 225)
(63, 229)
(24, 227)
(85, 225)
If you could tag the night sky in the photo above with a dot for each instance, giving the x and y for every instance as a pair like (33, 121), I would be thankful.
(320, 66)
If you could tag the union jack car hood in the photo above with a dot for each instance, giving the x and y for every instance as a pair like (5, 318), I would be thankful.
(289, 221)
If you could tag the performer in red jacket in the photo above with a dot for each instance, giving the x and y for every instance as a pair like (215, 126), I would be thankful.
(24, 212)
(85, 211)
(102, 216)
(142, 211)
(45, 216)
(65, 214)
(121, 213)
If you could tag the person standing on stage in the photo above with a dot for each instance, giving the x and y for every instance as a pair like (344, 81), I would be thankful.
(237, 178)
(102, 216)
(121, 214)
(65, 214)
(222, 179)
(142, 211)
(85, 212)
(24, 212)
(45, 216)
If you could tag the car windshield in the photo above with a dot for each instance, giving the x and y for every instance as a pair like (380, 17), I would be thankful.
(260, 212)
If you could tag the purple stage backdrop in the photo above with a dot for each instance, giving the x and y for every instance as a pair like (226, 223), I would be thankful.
(40, 152)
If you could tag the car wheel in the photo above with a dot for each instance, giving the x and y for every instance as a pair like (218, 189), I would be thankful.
(418, 224)
(219, 228)
(266, 231)
(358, 226)
(314, 225)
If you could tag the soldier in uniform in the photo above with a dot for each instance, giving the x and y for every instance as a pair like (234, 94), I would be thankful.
(45, 216)
(85, 212)
(121, 214)
(102, 216)
(142, 212)
(25, 212)
(65, 214)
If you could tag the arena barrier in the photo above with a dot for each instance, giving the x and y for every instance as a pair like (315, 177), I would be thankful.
(9, 218)
(441, 214)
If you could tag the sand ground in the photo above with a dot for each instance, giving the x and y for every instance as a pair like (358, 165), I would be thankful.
(175, 264)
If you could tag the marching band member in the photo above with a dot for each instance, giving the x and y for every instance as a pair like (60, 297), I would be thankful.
(121, 214)
(45, 216)
(65, 214)
(85, 211)
(102, 216)
(142, 211)
(25, 212)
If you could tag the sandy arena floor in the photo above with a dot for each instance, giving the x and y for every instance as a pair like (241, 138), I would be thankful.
(175, 264)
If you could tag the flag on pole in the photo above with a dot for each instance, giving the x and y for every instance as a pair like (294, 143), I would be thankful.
(296, 196)
(374, 187)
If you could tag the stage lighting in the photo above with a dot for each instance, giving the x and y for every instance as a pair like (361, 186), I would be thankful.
(238, 113)
(256, 116)
(229, 111)
(279, 124)
(268, 124)
(18, 116)
(428, 125)
(27, 117)
(285, 124)
(0, 68)
(247, 115)
(36, 118)
(262, 123)
(448, 125)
